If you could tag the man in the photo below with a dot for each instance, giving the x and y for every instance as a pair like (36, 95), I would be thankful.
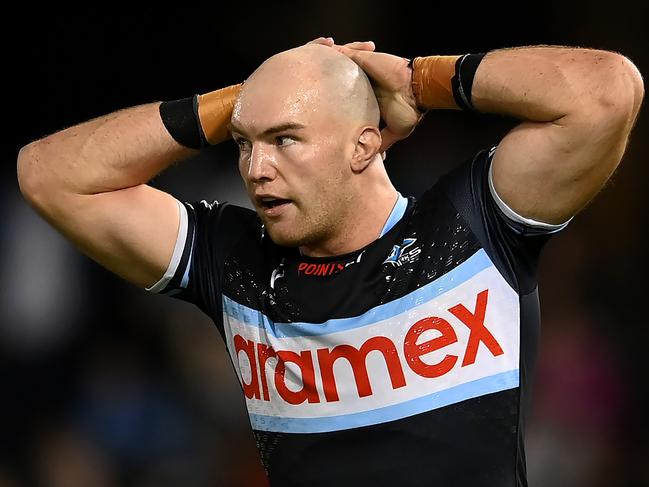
(379, 340)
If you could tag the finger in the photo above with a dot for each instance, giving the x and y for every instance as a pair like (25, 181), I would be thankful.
(387, 139)
(361, 45)
(356, 55)
(322, 41)
(373, 63)
(325, 41)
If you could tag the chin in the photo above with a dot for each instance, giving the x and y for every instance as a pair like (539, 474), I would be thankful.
(285, 239)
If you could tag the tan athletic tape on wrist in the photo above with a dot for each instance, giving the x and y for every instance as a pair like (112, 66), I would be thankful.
(214, 112)
(431, 82)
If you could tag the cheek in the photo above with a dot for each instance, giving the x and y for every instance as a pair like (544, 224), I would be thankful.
(326, 159)
(317, 172)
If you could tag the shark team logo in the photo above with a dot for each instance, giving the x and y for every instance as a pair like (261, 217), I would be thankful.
(404, 253)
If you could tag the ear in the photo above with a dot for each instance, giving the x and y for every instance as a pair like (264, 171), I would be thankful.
(367, 146)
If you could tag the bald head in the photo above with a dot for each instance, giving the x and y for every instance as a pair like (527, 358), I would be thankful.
(318, 75)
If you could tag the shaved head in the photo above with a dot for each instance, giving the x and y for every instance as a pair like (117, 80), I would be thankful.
(320, 74)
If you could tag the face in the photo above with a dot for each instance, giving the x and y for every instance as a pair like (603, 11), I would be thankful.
(294, 157)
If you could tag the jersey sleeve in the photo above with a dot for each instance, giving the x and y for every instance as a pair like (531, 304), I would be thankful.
(513, 241)
(194, 272)
(518, 223)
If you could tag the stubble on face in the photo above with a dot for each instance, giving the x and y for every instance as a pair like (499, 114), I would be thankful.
(321, 209)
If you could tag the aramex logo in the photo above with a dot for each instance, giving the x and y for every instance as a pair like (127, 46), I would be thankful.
(317, 366)
(454, 339)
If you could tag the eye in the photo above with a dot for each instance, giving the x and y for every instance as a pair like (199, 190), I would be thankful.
(243, 144)
(284, 140)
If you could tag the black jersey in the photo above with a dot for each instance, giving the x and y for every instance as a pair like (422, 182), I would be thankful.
(406, 362)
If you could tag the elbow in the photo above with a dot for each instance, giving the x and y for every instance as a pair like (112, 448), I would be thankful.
(635, 87)
(620, 93)
(25, 171)
(30, 178)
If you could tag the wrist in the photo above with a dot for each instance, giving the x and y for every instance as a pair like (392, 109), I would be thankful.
(462, 83)
(201, 120)
(444, 82)
(214, 110)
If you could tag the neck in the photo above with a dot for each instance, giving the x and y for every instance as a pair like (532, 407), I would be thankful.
(367, 214)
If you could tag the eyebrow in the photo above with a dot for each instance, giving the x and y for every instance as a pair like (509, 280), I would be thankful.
(271, 130)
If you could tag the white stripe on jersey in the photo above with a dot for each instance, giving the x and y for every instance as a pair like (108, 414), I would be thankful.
(177, 254)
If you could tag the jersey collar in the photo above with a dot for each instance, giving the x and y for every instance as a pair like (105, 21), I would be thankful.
(397, 213)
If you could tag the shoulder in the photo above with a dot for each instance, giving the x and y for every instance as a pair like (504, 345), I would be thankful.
(512, 242)
(219, 227)
(221, 215)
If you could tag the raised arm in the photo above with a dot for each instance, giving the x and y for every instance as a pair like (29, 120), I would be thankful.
(577, 108)
(89, 181)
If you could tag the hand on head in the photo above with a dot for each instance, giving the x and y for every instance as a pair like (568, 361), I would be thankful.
(391, 77)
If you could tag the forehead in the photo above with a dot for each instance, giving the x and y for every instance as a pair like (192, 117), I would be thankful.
(286, 100)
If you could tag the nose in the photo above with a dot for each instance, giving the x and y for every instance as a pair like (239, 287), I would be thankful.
(263, 165)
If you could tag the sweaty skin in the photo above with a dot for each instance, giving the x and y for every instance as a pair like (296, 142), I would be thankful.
(309, 151)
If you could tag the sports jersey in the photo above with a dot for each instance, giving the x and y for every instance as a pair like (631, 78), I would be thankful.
(406, 362)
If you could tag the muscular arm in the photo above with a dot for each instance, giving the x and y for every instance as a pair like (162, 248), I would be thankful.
(88, 181)
(577, 107)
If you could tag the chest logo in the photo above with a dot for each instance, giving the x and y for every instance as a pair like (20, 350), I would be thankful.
(405, 253)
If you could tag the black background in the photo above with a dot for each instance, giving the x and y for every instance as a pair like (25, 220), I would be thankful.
(63, 65)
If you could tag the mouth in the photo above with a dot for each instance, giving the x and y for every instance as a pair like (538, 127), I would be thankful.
(272, 206)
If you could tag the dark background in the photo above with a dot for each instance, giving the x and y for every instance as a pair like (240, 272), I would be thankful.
(103, 384)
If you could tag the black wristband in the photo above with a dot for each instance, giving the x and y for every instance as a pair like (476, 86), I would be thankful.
(180, 118)
(462, 83)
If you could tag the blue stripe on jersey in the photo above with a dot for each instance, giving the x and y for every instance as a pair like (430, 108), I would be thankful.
(488, 385)
(397, 213)
(185, 280)
(466, 270)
